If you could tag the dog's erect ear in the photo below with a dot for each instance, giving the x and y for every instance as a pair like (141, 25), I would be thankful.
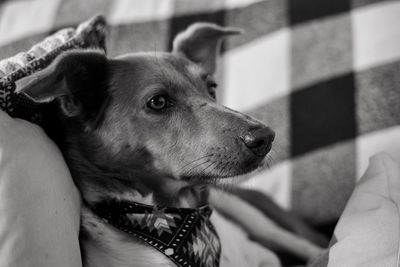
(201, 43)
(73, 77)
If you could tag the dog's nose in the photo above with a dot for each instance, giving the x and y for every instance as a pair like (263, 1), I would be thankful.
(259, 140)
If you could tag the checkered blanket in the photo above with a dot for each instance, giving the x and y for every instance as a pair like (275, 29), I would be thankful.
(324, 74)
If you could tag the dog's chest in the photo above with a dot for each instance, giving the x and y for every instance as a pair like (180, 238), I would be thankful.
(123, 232)
(107, 247)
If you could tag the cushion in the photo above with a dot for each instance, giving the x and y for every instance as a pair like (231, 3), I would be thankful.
(237, 248)
(90, 34)
(39, 203)
(368, 231)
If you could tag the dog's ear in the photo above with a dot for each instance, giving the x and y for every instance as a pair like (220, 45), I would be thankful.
(76, 78)
(201, 42)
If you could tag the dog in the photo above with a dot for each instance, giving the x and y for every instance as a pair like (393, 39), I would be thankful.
(144, 140)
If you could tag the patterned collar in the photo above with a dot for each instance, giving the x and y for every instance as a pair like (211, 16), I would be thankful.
(186, 236)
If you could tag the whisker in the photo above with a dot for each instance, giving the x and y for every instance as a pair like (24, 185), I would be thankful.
(223, 169)
(214, 167)
(208, 166)
(209, 155)
(198, 165)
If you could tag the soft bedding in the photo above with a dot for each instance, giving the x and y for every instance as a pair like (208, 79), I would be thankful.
(368, 231)
(39, 204)
(323, 74)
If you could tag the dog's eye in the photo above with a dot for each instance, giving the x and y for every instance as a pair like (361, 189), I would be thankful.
(158, 102)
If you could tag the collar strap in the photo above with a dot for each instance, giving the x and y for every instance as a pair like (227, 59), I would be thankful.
(186, 236)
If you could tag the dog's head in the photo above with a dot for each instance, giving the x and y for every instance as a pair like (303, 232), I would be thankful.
(155, 111)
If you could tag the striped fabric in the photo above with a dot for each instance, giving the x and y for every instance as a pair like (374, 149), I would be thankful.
(324, 74)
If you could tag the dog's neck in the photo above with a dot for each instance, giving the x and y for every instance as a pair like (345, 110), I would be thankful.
(96, 189)
(98, 180)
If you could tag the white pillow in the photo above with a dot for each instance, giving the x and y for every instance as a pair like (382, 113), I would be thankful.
(237, 249)
(39, 204)
(368, 232)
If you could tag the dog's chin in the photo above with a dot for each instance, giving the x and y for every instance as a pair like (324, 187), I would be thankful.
(224, 176)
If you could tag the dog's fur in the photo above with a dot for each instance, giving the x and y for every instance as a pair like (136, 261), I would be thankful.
(118, 146)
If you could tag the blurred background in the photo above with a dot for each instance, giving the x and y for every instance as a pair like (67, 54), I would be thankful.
(325, 75)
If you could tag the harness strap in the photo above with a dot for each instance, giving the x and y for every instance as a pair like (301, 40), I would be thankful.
(186, 236)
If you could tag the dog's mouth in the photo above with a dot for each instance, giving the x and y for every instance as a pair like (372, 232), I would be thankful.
(223, 171)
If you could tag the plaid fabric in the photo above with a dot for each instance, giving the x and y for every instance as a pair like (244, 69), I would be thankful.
(324, 74)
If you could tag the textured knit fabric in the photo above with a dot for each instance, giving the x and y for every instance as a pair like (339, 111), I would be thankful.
(90, 34)
(186, 236)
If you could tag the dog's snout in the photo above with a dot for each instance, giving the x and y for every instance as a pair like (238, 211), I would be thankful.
(259, 140)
